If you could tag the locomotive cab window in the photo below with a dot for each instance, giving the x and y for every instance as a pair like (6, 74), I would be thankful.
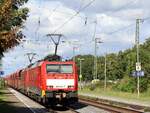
(52, 68)
(66, 68)
(59, 68)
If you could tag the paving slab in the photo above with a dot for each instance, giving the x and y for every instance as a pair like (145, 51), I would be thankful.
(11, 104)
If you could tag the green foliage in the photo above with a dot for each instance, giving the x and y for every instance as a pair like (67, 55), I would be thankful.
(94, 84)
(12, 17)
(127, 85)
(143, 84)
(87, 72)
(2, 83)
(92, 87)
(120, 67)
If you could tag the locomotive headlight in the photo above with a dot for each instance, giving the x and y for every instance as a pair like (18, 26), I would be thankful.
(70, 86)
(64, 95)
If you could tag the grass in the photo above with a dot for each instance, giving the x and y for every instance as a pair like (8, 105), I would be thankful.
(144, 97)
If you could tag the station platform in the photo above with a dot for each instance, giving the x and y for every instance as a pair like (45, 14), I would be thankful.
(12, 101)
(9, 103)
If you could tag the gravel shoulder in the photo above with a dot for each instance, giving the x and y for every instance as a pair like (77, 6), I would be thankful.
(117, 99)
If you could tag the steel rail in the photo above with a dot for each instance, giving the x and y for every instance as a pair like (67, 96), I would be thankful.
(108, 107)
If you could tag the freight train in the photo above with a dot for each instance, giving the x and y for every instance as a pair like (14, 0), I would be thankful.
(48, 82)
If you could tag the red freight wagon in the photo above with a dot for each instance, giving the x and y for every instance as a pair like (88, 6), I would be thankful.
(22, 75)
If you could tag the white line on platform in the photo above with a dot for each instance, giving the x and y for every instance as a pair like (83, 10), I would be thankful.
(17, 95)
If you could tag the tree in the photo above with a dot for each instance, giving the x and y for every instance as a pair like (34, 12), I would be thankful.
(87, 66)
(12, 18)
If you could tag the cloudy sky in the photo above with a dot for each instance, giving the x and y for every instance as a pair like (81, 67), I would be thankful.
(79, 21)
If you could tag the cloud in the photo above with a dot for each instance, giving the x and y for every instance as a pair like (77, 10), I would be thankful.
(110, 23)
(49, 16)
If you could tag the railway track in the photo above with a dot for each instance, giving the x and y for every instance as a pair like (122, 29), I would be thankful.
(83, 103)
(108, 107)
(62, 110)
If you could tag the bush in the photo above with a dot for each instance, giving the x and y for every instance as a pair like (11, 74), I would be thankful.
(143, 84)
(2, 83)
(130, 85)
(126, 85)
(94, 84)
(92, 87)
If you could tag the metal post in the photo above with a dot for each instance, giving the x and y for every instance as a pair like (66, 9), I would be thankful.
(97, 40)
(74, 47)
(30, 56)
(80, 76)
(55, 41)
(80, 66)
(105, 71)
(95, 60)
(80, 73)
(74, 53)
(80, 59)
(137, 52)
(56, 49)
(95, 52)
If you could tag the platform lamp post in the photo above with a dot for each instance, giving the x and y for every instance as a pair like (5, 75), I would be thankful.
(80, 76)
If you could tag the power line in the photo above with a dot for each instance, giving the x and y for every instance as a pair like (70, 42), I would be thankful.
(54, 10)
(86, 18)
(123, 28)
(147, 18)
(73, 16)
(113, 32)
(95, 28)
(37, 29)
(56, 42)
(120, 29)
(128, 4)
(81, 3)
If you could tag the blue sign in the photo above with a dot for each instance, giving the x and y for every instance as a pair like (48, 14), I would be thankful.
(1, 72)
(134, 73)
(138, 73)
(142, 73)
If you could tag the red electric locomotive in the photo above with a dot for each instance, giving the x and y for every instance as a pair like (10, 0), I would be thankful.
(50, 82)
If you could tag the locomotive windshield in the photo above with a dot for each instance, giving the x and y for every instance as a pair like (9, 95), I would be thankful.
(59, 68)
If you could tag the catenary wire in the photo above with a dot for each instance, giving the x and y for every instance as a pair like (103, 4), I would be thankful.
(73, 16)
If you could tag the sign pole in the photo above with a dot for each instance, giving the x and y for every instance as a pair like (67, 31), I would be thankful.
(138, 66)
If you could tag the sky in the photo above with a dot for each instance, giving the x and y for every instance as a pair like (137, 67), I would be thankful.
(80, 22)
